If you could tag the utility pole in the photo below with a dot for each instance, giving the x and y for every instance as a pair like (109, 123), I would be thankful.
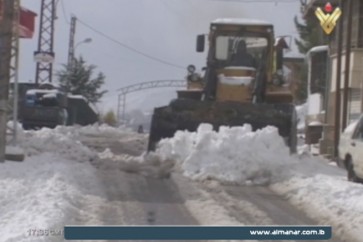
(338, 84)
(14, 67)
(45, 53)
(71, 42)
(121, 107)
(347, 64)
(6, 25)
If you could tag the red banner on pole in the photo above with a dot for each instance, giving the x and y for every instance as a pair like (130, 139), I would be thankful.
(26, 21)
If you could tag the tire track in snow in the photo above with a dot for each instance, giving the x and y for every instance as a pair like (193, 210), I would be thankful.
(241, 209)
(278, 209)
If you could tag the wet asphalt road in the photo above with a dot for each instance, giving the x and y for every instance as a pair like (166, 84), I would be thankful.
(152, 201)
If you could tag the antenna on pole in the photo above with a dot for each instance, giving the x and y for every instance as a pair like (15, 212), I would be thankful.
(71, 42)
(44, 56)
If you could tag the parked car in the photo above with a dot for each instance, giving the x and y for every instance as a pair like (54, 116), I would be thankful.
(351, 150)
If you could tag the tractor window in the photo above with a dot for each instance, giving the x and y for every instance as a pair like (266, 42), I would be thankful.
(240, 51)
(223, 49)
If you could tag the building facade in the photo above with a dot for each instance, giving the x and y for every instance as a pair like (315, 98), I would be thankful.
(355, 86)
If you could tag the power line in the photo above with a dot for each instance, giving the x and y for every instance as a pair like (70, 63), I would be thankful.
(64, 12)
(128, 47)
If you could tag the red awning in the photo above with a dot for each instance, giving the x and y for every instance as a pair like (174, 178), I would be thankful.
(27, 23)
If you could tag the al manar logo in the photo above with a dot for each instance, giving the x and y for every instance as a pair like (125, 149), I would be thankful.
(329, 18)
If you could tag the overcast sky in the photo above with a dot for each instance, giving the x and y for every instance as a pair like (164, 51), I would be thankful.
(165, 29)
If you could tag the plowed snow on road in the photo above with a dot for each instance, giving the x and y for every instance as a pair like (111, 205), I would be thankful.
(101, 175)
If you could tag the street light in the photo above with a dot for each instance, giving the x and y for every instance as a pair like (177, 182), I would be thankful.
(85, 41)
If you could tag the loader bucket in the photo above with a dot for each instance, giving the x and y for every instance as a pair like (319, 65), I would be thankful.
(187, 114)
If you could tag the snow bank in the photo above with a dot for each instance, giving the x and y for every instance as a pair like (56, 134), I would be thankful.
(233, 155)
(50, 188)
(59, 140)
(10, 128)
(321, 190)
(331, 200)
(47, 192)
(66, 141)
(100, 130)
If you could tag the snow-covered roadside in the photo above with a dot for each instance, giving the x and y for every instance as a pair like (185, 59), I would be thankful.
(239, 156)
(324, 194)
(329, 200)
(46, 192)
(67, 140)
(54, 186)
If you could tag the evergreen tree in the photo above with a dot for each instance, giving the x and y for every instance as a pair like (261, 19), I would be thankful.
(79, 80)
(310, 34)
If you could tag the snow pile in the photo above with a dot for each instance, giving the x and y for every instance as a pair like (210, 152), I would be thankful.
(234, 155)
(322, 191)
(10, 128)
(59, 140)
(331, 200)
(301, 113)
(47, 192)
(100, 130)
(106, 154)
(67, 140)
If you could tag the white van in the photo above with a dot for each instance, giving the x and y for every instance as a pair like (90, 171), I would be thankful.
(351, 150)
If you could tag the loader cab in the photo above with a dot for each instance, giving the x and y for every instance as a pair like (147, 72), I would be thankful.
(227, 36)
(252, 75)
(240, 58)
(234, 50)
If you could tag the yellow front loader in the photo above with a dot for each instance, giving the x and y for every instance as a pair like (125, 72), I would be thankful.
(242, 83)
